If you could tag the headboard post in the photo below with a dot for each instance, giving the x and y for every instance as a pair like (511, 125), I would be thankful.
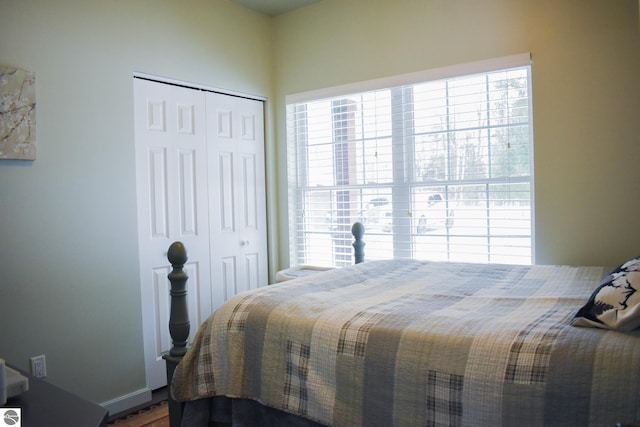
(179, 325)
(357, 229)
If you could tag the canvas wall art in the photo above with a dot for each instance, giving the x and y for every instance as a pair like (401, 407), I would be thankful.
(17, 114)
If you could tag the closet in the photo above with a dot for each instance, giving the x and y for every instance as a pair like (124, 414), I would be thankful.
(200, 179)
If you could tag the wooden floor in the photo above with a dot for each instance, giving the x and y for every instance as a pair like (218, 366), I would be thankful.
(156, 397)
(155, 416)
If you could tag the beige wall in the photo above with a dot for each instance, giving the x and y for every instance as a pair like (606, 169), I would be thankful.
(586, 95)
(69, 283)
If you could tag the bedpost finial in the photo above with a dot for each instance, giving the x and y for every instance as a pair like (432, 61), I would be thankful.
(177, 254)
(357, 229)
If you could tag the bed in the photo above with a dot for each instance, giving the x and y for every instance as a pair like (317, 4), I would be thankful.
(415, 343)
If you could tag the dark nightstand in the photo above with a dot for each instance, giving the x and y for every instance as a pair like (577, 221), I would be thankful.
(47, 405)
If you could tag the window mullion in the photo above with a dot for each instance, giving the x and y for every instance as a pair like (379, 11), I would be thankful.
(402, 135)
(489, 166)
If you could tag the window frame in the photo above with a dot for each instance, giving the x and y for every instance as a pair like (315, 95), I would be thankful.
(401, 198)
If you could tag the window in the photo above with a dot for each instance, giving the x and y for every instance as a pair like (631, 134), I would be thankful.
(436, 168)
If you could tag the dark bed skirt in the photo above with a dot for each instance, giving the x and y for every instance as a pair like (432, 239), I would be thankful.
(222, 411)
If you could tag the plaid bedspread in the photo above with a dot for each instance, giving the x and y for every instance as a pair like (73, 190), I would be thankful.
(409, 343)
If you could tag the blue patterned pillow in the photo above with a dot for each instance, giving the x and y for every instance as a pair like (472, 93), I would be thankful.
(615, 304)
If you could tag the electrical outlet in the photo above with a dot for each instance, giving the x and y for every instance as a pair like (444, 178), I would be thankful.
(38, 366)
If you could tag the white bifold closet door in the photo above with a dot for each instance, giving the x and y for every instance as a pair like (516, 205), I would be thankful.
(237, 203)
(200, 180)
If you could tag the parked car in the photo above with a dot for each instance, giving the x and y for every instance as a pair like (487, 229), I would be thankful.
(437, 215)
(429, 215)
(331, 219)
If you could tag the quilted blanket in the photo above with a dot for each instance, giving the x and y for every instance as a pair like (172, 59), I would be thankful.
(411, 343)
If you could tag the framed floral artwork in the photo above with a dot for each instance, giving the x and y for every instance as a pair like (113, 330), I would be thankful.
(17, 114)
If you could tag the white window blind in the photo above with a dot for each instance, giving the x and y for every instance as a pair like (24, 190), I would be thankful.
(437, 169)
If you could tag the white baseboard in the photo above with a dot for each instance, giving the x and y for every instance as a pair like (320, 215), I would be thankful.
(128, 401)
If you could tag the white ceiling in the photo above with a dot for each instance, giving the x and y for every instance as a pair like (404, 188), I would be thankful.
(274, 7)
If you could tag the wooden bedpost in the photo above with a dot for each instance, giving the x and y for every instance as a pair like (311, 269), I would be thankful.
(179, 325)
(357, 229)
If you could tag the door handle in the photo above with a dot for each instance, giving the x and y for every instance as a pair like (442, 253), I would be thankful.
(244, 243)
